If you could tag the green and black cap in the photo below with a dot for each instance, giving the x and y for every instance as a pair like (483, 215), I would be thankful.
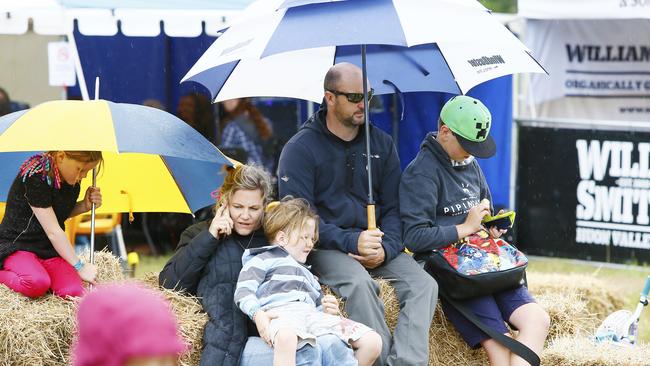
(470, 120)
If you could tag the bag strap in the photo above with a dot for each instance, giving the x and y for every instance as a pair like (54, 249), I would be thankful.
(515, 346)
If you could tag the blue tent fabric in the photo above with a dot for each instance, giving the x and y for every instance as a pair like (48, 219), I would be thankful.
(134, 69)
(421, 113)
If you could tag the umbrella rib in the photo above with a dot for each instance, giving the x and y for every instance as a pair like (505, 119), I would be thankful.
(399, 94)
(451, 71)
(224, 83)
(538, 64)
(177, 185)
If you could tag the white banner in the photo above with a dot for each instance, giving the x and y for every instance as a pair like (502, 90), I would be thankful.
(61, 64)
(598, 69)
(584, 9)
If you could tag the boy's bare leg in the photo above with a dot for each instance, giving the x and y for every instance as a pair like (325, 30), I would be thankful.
(367, 348)
(533, 323)
(498, 354)
(284, 347)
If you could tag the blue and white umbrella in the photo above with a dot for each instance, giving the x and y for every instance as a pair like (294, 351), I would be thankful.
(454, 46)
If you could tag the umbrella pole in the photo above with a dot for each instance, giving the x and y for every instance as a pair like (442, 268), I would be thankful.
(372, 222)
(92, 210)
(92, 223)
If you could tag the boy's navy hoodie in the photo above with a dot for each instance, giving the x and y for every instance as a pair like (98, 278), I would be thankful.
(331, 174)
(435, 196)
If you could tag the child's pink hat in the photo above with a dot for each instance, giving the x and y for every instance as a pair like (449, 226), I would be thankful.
(119, 321)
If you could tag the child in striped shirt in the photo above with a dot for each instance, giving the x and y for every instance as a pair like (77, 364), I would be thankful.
(284, 299)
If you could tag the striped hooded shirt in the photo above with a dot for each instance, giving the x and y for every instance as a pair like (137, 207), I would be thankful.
(270, 277)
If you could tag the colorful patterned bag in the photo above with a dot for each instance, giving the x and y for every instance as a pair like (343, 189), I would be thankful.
(476, 266)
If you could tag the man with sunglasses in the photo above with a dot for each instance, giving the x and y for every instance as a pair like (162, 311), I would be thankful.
(325, 163)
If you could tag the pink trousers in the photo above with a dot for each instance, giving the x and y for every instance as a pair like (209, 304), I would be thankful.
(32, 276)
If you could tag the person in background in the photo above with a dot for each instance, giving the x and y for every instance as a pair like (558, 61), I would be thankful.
(8, 106)
(126, 325)
(244, 127)
(196, 110)
(5, 103)
(36, 251)
(154, 103)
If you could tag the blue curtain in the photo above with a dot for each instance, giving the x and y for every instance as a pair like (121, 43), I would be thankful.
(134, 69)
(421, 111)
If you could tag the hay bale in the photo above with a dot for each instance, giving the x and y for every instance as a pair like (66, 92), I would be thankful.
(447, 348)
(39, 332)
(569, 314)
(600, 299)
(34, 332)
(191, 318)
(582, 351)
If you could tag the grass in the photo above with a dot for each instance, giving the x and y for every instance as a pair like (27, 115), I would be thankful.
(151, 263)
(629, 280)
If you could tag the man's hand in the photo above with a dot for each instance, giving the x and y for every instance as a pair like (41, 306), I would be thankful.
(371, 252)
(262, 320)
(371, 261)
(369, 242)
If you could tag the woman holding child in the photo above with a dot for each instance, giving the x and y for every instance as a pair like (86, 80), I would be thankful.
(207, 263)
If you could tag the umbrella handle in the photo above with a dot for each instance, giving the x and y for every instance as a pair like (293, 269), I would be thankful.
(92, 223)
(372, 222)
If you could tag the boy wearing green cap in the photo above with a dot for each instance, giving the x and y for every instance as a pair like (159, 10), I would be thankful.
(443, 198)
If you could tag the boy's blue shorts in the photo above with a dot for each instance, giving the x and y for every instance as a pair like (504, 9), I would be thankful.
(493, 310)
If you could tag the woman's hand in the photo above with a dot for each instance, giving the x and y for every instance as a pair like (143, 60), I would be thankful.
(330, 305)
(222, 223)
(93, 195)
(88, 273)
(262, 320)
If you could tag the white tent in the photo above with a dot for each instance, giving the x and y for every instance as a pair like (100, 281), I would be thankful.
(50, 17)
(38, 22)
(584, 9)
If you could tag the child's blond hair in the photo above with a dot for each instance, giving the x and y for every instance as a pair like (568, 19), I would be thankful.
(288, 215)
(83, 157)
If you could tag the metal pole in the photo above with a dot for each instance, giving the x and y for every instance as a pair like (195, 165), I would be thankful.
(372, 224)
(92, 223)
(92, 210)
(77, 65)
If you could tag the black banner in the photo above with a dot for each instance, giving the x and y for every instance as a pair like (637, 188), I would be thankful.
(584, 193)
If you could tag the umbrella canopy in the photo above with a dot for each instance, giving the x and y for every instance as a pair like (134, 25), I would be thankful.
(153, 161)
(459, 45)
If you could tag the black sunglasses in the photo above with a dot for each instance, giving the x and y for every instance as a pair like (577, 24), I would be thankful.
(353, 97)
